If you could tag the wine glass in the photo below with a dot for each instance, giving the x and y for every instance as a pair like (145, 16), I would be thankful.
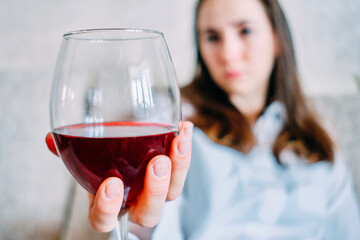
(115, 104)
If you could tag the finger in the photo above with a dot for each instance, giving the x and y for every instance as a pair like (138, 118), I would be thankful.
(50, 143)
(105, 207)
(180, 155)
(186, 128)
(147, 211)
(91, 200)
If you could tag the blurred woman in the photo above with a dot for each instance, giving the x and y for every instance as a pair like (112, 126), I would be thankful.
(262, 167)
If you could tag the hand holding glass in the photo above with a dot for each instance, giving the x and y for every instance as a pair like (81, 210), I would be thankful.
(115, 104)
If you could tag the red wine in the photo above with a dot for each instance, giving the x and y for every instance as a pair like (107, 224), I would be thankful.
(94, 152)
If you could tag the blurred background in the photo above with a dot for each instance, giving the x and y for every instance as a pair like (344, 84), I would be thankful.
(36, 191)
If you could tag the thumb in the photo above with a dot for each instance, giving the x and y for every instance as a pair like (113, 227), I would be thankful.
(105, 206)
(50, 143)
(147, 211)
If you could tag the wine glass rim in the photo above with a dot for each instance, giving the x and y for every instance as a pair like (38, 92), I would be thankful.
(127, 34)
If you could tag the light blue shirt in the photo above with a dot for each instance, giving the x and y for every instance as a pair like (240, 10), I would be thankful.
(231, 195)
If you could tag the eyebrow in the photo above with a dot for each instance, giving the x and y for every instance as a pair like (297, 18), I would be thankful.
(212, 30)
(240, 23)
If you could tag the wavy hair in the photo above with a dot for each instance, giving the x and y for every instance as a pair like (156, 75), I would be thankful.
(226, 125)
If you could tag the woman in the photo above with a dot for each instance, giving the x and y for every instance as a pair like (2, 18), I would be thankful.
(262, 166)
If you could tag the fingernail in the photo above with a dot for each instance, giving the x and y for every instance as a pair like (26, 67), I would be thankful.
(184, 146)
(188, 130)
(161, 167)
(113, 188)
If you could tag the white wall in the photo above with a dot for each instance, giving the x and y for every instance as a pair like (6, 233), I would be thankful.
(327, 41)
(31, 31)
(326, 34)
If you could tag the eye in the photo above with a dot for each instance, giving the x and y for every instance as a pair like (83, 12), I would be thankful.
(245, 31)
(212, 38)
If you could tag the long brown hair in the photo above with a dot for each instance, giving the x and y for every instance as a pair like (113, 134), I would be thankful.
(224, 124)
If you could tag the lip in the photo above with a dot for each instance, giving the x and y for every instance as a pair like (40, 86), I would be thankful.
(233, 74)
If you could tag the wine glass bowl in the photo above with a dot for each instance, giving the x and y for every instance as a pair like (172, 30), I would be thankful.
(115, 104)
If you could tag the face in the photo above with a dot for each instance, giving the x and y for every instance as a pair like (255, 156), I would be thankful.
(237, 44)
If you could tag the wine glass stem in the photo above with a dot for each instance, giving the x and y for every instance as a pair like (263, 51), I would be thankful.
(122, 227)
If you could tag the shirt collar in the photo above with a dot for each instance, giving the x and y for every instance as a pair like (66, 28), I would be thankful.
(270, 123)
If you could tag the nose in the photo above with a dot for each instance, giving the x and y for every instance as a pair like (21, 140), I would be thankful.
(231, 49)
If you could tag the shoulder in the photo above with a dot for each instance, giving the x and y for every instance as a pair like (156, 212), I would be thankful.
(340, 179)
(332, 180)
